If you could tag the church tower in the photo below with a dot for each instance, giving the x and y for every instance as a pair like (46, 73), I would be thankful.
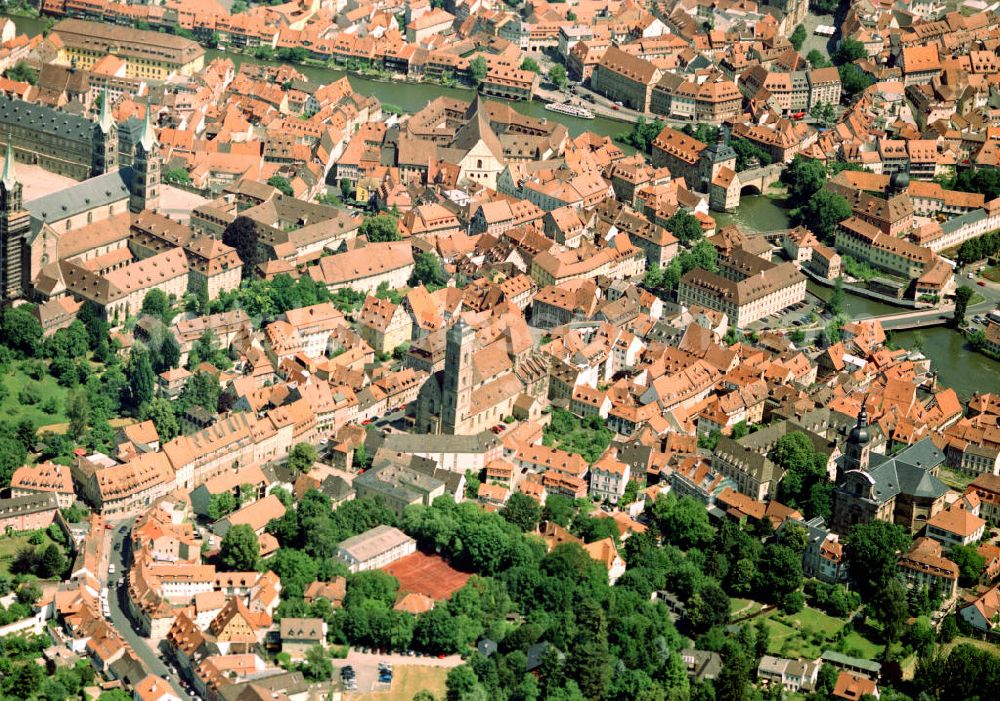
(106, 139)
(146, 168)
(858, 448)
(457, 385)
(15, 225)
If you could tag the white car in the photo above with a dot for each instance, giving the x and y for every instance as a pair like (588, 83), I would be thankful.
(111, 569)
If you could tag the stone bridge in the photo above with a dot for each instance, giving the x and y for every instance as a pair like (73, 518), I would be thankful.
(756, 181)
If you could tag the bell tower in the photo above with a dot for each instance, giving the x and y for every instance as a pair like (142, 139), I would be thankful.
(858, 449)
(15, 225)
(457, 384)
(146, 168)
(106, 139)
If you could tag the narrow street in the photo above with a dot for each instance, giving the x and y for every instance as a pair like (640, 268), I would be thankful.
(121, 620)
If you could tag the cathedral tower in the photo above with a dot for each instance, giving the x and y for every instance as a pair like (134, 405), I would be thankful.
(457, 384)
(106, 139)
(15, 225)
(146, 168)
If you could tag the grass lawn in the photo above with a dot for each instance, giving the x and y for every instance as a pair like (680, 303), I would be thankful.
(10, 545)
(956, 480)
(809, 632)
(12, 408)
(743, 607)
(992, 274)
(981, 644)
(407, 681)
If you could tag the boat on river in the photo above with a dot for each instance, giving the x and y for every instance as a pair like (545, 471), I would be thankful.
(571, 110)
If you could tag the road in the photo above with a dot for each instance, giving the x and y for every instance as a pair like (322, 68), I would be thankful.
(122, 622)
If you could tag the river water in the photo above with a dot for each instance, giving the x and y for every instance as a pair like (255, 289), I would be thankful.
(411, 97)
(957, 364)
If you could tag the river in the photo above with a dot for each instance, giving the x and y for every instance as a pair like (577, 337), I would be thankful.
(957, 365)
(756, 213)
(410, 97)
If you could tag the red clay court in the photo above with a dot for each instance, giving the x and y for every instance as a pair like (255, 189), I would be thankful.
(427, 574)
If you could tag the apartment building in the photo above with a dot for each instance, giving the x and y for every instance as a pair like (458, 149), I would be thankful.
(924, 565)
(625, 78)
(608, 478)
(149, 55)
(712, 102)
(384, 325)
(747, 300)
(364, 269)
(864, 242)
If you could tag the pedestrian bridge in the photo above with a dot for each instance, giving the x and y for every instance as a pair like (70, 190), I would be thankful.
(756, 181)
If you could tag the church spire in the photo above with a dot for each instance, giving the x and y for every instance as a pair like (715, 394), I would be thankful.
(9, 178)
(148, 138)
(104, 119)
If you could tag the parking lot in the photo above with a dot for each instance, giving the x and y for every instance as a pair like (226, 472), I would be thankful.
(366, 666)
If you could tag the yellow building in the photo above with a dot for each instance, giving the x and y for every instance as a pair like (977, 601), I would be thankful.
(149, 55)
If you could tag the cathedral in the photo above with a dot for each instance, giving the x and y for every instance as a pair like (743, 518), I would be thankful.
(31, 233)
(482, 382)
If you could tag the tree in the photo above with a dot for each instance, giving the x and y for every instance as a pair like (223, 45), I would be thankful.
(683, 522)
(853, 80)
(823, 211)
(318, 665)
(141, 381)
(708, 607)
(478, 70)
(522, 511)
(177, 175)
(20, 330)
(530, 64)
(779, 572)
(872, 554)
(558, 509)
(161, 412)
(970, 563)
(427, 271)
(382, 227)
(281, 184)
(684, 226)
(243, 235)
(557, 74)
(301, 457)
(221, 505)
(804, 178)
(156, 303)
(794, 537)
(962, 296)
(589, 660)
(51, 562)
(643, 134)
(891, 609)
(460, 683)
(817, 59)
(835, 305)
(202, 390)
(22, 73)
(240, 549)
(798, 36)
(849, 51)
(78, 412)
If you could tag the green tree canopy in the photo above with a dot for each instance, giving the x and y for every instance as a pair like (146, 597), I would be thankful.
(281, 184)
(379, 228)
(240, 549)
(301, 457)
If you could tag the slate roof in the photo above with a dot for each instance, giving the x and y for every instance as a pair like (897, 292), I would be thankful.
(99, 191)
(908, 472)
(47, 119)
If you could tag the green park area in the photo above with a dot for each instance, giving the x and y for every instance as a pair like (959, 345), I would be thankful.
(810, 631)
(11, 545)
(21, 397)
